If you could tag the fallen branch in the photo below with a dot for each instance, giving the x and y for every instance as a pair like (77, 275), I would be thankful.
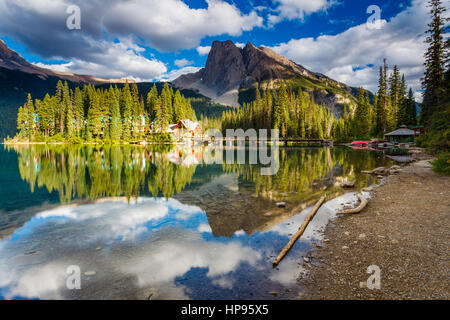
(358, 209)
(299, 233)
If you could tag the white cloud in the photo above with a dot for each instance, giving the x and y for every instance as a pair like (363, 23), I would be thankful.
(297, 9)
(113, 60)
(163, 25)
(172, 25)
(183, 63)
(172, 75)
(203, 50)
(204, 228)
(354, 56)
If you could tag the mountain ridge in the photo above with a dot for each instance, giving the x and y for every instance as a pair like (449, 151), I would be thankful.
(11, 60)
(231, 71)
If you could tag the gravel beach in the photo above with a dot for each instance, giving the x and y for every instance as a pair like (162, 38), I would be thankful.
(405, 231)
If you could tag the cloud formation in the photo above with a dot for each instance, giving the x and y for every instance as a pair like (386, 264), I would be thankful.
(183, 63)
(106, 46)
(354, 55)
(203, 50)
(297, 9)
(172, 25)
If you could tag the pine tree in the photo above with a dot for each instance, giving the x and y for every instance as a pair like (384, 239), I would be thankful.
(152, 106)
(60, 110)
(30, 117)
(403, 112)
(411, 108)
(432, 82)
(115, 129)
(69, 118)
(395, 97)
(127, 105)
(382, 102)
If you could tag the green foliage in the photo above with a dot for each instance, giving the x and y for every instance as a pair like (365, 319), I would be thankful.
(160, 137)
(393, 108)
(442, 164)
(432, 82)
(57, 138)
(96, 171)
(100, 115)
(295, 115)
(435, 114)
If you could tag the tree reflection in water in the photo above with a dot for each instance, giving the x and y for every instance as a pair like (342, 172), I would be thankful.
(97, 171)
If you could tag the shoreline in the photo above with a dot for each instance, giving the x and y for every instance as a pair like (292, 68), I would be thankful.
(404, 230)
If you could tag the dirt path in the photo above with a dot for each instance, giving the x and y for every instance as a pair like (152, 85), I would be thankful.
(405, 231)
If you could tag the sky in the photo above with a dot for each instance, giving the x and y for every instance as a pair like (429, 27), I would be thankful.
(154, 40)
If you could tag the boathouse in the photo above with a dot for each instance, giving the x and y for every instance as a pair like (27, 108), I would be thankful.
(402, 135)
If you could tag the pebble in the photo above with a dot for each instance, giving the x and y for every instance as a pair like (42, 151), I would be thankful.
(362, 235)
(90, 273)
(344, 247)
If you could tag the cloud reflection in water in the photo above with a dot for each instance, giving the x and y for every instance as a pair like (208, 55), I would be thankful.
(152, 241)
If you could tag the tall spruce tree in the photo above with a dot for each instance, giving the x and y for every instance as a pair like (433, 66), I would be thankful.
(432, 82)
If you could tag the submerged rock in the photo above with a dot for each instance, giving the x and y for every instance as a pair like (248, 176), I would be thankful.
(348, 184)
(381, 171)
(281, 204)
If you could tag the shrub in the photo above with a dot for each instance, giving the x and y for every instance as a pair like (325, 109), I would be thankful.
(442, 164)
(60, 137)
(75, 140)
(160, 137)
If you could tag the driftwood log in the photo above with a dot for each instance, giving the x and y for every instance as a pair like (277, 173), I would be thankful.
(299, 233)
(359, 208)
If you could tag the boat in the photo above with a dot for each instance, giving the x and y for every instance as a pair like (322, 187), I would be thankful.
(379, 143)
(359, 144)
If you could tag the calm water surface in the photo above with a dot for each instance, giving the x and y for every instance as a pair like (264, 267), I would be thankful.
(159, 223)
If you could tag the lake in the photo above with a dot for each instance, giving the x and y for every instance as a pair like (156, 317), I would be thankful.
(159, 222)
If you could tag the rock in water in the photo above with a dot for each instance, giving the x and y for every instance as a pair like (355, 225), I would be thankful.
(381, 171)
(348, 184)
(281, 204)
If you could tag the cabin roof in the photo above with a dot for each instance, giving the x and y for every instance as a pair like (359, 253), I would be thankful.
(401, 132)
(187, 124)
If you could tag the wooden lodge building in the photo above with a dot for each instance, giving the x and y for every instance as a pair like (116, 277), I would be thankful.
(186, 129)
(402, 135)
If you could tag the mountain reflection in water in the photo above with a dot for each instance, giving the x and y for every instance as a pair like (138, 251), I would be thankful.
(145, 222)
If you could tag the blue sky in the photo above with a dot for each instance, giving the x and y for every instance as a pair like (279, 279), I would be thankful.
(153, 40)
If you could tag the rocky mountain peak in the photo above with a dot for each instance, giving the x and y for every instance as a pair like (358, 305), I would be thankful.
(224, 68)
(12, 60)
(230, 70)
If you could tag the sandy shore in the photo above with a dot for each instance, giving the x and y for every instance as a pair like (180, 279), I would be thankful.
(405, 231)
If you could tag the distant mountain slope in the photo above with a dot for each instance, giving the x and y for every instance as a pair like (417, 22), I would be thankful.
(15, 86)
(11, 60)
(231, 76)
(18, 77)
